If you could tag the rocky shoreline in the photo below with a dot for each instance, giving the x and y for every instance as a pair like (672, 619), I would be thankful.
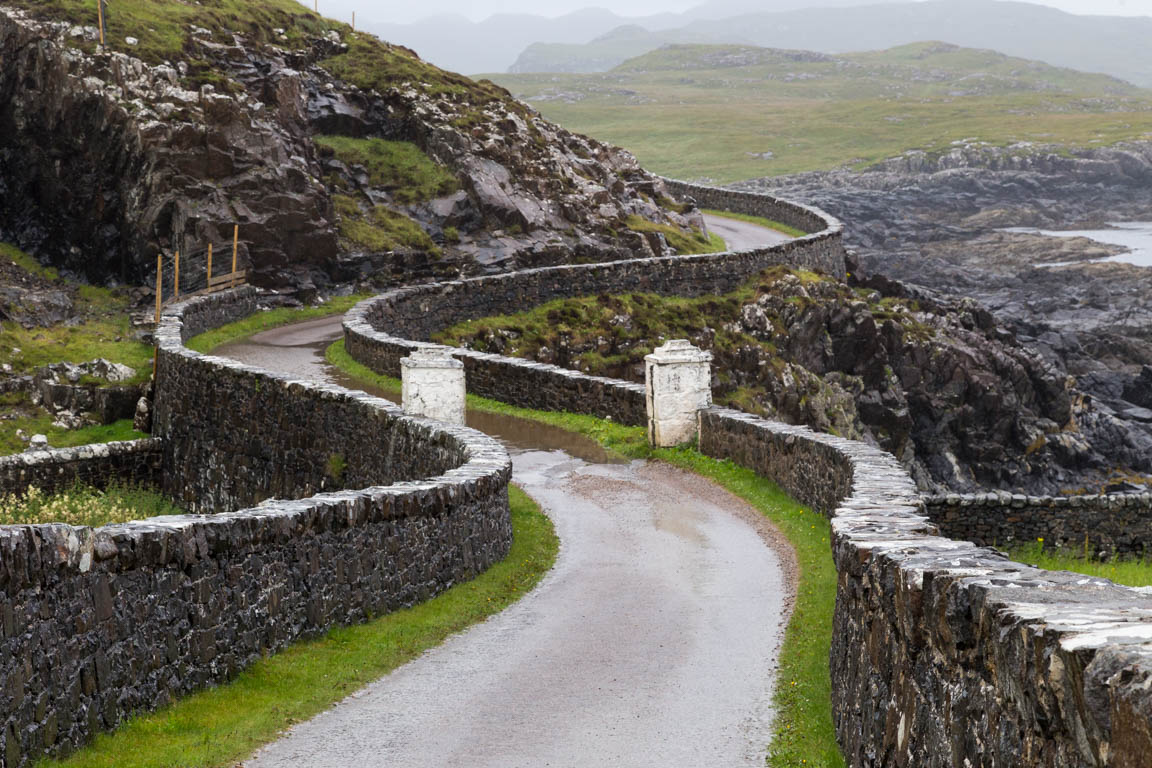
(937, 221)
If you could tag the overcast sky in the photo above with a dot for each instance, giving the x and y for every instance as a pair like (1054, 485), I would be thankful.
(402, 11)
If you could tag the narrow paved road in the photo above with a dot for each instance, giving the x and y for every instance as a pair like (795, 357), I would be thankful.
(653, 641)
(743, 234)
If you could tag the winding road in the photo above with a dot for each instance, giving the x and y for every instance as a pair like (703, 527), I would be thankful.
(653, 641)
(739, 235)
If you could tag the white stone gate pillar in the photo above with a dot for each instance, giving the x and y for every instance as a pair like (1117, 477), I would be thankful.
(678, 379)
(433, 385)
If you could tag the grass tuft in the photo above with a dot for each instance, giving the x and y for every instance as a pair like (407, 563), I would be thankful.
(683, 242)
(1129, 571)
(85, 506)
(398, 166)
(380, 229)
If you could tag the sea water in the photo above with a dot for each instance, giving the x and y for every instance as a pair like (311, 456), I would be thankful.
(1133, 235)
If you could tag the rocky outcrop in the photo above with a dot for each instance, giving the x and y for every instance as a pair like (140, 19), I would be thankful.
(106, 160)
(935, 381)
(936, 220)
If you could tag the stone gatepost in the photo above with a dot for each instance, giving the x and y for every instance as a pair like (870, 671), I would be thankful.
(678, 379)
(433, 385)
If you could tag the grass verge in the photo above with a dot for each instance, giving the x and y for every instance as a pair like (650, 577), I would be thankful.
(41, 424)
(803, 732)
(684, 243)
(220, 726)
(273, 318)
(1132, 572)
(769, 223)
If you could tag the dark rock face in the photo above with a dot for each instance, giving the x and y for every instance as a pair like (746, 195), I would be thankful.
(935, 221)
(106, 161)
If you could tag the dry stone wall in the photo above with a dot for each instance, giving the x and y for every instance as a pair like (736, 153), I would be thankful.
(96, 625)
(136, 462)
(1116, 524)
(944, 652)
(412, 314)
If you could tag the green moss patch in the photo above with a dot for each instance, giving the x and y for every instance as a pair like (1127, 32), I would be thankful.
(683, 242)
(380, 229)
(397, 166)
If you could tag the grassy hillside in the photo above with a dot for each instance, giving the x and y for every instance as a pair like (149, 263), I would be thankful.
(734, 112)
(163, 30)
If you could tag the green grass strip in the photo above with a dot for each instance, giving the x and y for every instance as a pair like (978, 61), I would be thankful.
(220, 726)
(769, 223)
(273, 318)
(1129, 571)
(803, 732)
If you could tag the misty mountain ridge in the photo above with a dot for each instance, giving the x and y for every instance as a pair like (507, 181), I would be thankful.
(1117, 46)
(591, 40)
(454, 42)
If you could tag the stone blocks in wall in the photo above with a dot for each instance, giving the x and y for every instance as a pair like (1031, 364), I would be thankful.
(99, 625)
(433, 385)
(136, 462)
(1117, 524)
(678, 384)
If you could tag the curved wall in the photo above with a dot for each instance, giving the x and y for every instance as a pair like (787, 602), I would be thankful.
(1115, 524)
(98, 624)
(944, 653)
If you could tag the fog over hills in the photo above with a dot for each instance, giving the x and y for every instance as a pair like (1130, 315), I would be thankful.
(592, 39)
(457, 43)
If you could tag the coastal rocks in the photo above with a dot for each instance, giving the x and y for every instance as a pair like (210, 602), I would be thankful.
(936, 220)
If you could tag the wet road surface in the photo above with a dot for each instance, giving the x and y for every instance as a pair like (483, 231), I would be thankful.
(740, 235)
(653, 641)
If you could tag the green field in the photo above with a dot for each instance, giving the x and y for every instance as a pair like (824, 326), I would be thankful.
(710, 112)
(1129, 571)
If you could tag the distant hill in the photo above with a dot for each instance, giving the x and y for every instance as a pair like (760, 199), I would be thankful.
(461, 45)
(1118, 46)
(730, 112)
(456, 43)
(605, 52)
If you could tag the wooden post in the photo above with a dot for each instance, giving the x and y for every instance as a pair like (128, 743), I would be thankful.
(100, 19)
(176, 278)
(317, 6)
(353, 21)
(159, 283)
(159, 302)
(235, 246)
(208, 282)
